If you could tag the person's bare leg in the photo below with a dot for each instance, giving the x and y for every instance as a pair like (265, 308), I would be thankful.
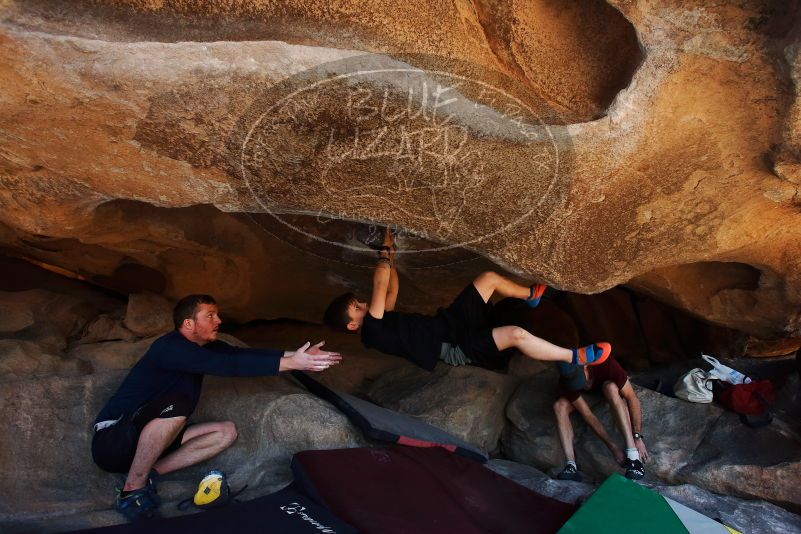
(491, 282)
(562, 409)
(621, 412)
(532, 346)
(154, 438)
(200, 442)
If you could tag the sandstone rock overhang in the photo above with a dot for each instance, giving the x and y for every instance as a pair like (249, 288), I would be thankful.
(691, 169)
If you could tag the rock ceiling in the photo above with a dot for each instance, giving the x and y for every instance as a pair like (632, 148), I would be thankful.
(236, 145)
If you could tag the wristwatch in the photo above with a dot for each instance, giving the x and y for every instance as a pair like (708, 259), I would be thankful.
(637, 435)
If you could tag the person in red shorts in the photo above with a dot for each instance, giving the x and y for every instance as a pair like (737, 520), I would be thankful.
(609, 378)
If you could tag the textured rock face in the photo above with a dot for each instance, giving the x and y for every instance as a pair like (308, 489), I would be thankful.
(466, 401)
(767, 457)
(46, 318)
(676, 125)
(148, 315)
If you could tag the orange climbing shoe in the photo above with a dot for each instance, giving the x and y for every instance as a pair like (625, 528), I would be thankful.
(594, 354)
(535, 294)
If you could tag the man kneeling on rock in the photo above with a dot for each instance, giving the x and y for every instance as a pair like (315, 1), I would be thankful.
(463, 333)
(611, 379)
(143, 431)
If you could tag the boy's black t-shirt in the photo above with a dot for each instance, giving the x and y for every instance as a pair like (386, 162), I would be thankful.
(413, 336)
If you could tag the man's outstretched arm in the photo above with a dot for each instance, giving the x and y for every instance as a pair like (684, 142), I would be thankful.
(220, 359)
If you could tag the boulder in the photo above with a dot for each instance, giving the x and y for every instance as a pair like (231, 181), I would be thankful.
(106, 328)
(18, 310)
(758, 463)
(111, 355)
(466, 401)
(522, 366)
(47, 425)
(45, 317)
(148, 314)
(24, 360)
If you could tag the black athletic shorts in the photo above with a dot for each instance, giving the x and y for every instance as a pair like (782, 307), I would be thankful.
(114, 447)
(471, 323)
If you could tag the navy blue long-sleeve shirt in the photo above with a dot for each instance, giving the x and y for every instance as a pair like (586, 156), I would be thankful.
(175, 364)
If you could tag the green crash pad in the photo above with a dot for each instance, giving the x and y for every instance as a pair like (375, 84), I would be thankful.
(620, 506)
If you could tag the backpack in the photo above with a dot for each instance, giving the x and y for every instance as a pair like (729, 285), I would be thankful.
(752, 401)
(695, 386)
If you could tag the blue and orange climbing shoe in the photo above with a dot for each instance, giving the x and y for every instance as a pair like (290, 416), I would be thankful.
(535, 294)
(136, 505)
(594, 354)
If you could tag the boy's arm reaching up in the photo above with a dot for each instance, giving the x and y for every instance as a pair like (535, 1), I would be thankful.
(381, 276)
(392, 288)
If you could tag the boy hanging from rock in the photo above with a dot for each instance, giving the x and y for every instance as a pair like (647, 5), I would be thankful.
(463, 333)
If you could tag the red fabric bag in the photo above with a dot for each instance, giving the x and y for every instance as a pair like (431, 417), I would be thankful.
(749, 399)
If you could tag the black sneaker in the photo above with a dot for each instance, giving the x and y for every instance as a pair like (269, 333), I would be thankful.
(570, 472)
(634, 469)
(137, 505)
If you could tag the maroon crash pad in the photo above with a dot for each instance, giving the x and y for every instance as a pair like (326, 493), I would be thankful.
(397, 490)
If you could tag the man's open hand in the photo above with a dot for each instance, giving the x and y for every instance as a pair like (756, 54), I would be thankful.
(312, 358)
